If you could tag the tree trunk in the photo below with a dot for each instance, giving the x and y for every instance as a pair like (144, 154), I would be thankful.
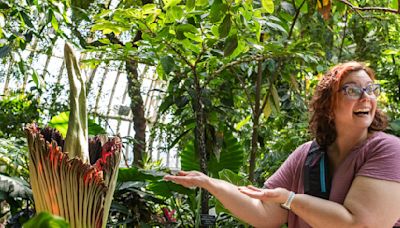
(139, 121)
(201, 140)
(256, 117)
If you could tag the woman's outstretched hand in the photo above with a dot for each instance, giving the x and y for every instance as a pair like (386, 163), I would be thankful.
(277, 195)
(188, 179)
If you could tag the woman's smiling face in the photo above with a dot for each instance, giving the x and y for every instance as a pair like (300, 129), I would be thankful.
(354, 113)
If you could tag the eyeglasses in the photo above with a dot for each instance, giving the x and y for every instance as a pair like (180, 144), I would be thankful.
(355, 92)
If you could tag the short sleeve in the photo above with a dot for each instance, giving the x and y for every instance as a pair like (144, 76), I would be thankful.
(382, 159)
(286, 174)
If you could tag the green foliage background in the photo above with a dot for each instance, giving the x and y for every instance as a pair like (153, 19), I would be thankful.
(221, 45)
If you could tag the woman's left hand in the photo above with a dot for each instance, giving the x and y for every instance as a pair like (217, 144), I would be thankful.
(277, 195)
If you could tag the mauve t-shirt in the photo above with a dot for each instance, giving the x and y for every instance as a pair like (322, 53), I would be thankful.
(377, 157)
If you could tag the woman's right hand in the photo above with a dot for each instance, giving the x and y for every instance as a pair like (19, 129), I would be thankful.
(189, 179)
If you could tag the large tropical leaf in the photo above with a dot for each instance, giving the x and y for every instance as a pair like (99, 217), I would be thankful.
(14, 187)
(189, 157)
(231, 156)
(46, 220)
(60, 122)
(136, 174)
(135, 178)
(233, 178)
(166, 188)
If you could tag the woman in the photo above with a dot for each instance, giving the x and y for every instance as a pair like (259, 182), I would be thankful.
(363, 164)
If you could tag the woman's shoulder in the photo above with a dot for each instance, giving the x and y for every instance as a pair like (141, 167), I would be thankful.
(302, 150)
(381, 142)
(381, 137)
(380, 157)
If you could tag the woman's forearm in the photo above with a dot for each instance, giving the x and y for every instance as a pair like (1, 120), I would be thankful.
(252, 211)
(367, 204)
(323, 213)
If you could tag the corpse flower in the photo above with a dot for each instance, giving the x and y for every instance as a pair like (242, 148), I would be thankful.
(73, 178)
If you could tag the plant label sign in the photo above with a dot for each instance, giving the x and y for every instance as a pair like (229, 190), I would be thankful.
(207, 220)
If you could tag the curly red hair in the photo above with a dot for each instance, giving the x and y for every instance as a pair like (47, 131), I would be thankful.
(321, 124)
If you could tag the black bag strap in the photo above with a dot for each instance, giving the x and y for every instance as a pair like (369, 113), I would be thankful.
(316, 176)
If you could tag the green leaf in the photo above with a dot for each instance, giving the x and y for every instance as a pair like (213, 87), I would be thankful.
(164, 32)
(241, 48)
(167, 102)
(60, 122)
(193, 37)
(160, 72)
(3, 196)
(173, 143)
(230, 45)
(119, 207)
(46, 220)
(175, 13)
(107, 13)
(268, 5)
(37, 79)
(189, 157)
(104, 41)
(26, 19)
(22, 67)
(169, 3)
(166, 189)
(22, 44)
(242, 123)
(191, 46)
(136, 174)
(94, 128)
(225, 27)
(201, 2)
(108, 27)
(235, 179)
(304, 9)
(54, 22)
(267, 109)
(395, 4)
(49, 16)
(168, 64)
(391, 52)
(4, 5)
(276, 98)
(276, 27)
(187, 28)
(149, 9)
(231, 156)
(4, 51)
(21, 20)
(218, 9)
(214, 30)
(14, 187)
(190, 4)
